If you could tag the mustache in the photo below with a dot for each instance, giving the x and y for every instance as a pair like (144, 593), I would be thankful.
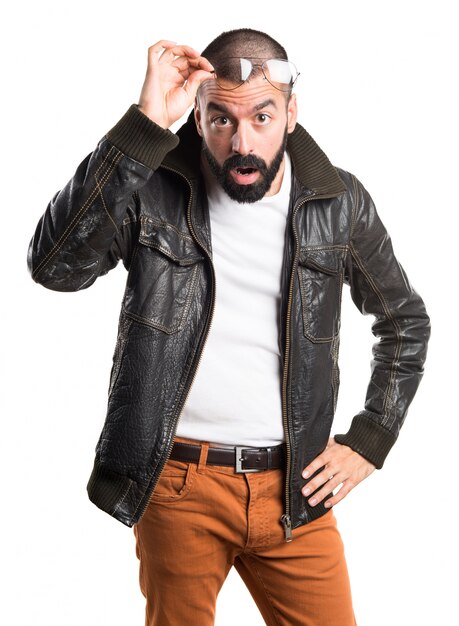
(249, 160)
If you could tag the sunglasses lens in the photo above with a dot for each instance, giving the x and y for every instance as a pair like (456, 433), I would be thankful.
(282, 74)
(234, 71)
(245, 68)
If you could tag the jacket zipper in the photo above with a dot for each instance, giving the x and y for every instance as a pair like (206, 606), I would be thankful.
(206, 331)
(286, 516)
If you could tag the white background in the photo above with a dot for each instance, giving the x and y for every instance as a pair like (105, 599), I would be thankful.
(378, 93)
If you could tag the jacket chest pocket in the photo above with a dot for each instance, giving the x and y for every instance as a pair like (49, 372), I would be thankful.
(163, 277)
(320, 274)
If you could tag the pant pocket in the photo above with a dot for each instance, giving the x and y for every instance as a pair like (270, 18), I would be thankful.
(175, 481)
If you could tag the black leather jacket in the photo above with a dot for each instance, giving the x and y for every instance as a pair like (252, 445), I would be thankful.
(140, 197)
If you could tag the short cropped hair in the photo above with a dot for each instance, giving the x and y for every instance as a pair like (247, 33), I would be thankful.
(244, 42)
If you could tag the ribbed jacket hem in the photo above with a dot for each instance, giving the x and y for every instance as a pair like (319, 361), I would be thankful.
(107, 490)
(137, 136)
(369, 439)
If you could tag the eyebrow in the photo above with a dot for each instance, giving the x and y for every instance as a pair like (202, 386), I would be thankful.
(221, 108)
(213, 106)
(266, 103)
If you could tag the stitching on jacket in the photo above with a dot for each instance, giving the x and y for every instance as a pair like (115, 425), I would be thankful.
(307, 317)
(354, 207)
(134, 247)
(82, 210)
(163, 224)
(335, 371)
(53, 249)
(120, 348)
(168, 252)
(179, 325)
(388, 401)
(103, 202)
(331, 247)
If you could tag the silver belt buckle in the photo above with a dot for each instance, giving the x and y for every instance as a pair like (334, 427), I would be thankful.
(239, 468)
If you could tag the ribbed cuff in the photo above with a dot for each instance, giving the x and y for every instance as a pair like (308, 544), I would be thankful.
(106, 488)
(137, 136)
(369, 439)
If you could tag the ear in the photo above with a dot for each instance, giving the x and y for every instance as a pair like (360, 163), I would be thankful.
(292, 112)
(197, 116)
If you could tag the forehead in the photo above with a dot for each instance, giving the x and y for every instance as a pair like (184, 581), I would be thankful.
(245, 97)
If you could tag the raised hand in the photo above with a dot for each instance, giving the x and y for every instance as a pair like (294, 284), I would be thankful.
(173, 76)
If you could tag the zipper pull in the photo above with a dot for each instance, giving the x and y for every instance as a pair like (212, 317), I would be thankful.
(287, 524)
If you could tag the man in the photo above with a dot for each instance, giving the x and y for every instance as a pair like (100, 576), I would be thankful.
(238, 235)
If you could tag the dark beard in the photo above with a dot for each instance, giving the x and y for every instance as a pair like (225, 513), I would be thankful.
(246, 193)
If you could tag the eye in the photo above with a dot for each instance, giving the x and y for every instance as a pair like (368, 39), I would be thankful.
(221, 121)
(263, 118)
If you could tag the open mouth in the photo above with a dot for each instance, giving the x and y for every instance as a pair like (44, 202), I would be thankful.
(245, 175)
(245, 171)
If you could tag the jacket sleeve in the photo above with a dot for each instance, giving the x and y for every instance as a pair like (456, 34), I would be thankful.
(379, 286)
(88, 225)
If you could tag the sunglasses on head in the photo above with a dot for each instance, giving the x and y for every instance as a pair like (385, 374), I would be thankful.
(235, 71)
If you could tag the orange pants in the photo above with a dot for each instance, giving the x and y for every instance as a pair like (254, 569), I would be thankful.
(203, 519)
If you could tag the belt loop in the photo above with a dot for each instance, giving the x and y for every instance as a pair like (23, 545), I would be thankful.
(270, 458)
(203, 457)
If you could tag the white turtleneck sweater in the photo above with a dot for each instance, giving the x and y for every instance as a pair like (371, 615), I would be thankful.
(235, 398)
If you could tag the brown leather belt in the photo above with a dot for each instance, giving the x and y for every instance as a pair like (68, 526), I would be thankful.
(243, 459)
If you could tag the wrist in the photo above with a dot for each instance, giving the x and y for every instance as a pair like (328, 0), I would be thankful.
(153, 116)
(367, 437)
(141, 138)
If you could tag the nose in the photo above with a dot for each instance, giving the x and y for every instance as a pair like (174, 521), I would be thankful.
(242, 140)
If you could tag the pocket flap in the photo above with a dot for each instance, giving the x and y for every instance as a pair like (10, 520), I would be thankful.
(177, 245)
(328, 261)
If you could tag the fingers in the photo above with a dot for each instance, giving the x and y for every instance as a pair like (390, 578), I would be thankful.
(165, 51)
(186, 66)
(195, 79)
(327, 478)
(337, 465)
(185, 52)
(194, 71)
(342, 493)
(157, 49)
(329, 487)
(202, 63)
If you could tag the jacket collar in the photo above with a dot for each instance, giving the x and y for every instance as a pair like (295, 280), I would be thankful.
(311, 165)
